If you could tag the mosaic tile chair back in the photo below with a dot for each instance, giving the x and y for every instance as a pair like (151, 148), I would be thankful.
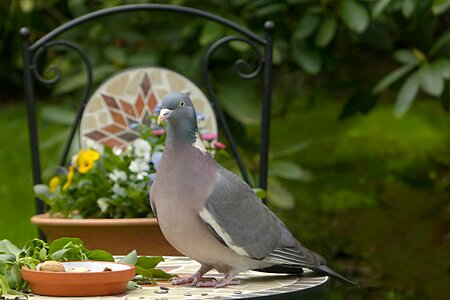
(131, 97)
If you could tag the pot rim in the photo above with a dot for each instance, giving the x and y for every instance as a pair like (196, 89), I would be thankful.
(45, 219)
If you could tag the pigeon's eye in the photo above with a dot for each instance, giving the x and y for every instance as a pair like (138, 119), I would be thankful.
(182, 103)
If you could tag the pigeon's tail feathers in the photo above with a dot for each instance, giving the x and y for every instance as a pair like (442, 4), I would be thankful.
(329, 271)
(285, 269)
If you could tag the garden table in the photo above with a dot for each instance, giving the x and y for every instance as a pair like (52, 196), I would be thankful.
(254, 285)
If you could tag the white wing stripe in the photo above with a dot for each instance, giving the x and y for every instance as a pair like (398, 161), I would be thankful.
(209, 219)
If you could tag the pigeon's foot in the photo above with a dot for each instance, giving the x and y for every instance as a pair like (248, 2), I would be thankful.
(227, 280)
(194, 279)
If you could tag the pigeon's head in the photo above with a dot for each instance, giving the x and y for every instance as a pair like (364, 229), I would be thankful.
(177, 108)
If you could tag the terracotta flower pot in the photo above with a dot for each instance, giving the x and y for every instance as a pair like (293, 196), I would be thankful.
(117, 236)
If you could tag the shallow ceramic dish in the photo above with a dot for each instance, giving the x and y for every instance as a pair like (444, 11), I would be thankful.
(96, 282)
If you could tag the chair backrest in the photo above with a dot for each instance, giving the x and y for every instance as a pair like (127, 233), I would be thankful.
(260, 45)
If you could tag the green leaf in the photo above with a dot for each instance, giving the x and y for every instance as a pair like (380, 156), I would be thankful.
(145, 273)
(27, 6)
(278, 195)
(7, 247)
(4, 286)
(354, 15)
(61, 243)
(288, 170)
(307, 56)
(443, 40)
(43, 254)
(100, 255)
(270, 9)
(239, 46)
(241, 104)
(408, 7)
(210, 33)
(57, 115)
(431, 79)
(160, 274)
(392, 77)
(326, 31)
(407, 93)
(6, 258)
(306, 26)
(440, 6)
(260, 193)
(290, 149)
(130, 258)
(59, 255)
(379, 7)
(405, 56)
(442, 66)
(16, 277)
(147, 262)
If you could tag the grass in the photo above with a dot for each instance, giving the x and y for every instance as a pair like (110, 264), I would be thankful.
(377, 207)
(16, 197)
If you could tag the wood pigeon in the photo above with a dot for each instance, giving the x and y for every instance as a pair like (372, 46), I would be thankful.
(212, 216)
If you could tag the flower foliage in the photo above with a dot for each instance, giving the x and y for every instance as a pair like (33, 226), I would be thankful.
(103, 182)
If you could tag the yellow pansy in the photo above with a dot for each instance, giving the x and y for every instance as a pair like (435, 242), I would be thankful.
(86, 159)
(69, 177)
(54, 182)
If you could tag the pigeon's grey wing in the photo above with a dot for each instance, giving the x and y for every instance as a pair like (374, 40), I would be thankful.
(290, 252)
(238, 218)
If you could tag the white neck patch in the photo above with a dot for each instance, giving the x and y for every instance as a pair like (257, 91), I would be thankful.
(199, 144)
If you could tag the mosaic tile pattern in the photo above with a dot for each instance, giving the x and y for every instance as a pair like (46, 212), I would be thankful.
(130, 97)
(253, 285)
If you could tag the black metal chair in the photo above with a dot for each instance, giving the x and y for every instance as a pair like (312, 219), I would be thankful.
(261, 45)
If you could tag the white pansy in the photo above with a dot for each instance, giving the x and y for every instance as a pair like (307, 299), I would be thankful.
(118, 190)
(141, 175)
(94, 145)
(156, 158)
(117, 175)
(117, 151)
(139, 165)
(103, 203)
(142, 149)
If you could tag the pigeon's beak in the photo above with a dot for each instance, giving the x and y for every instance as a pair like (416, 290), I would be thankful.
(163, 115)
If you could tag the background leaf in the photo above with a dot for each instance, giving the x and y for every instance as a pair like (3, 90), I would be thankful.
(288, 170)
(279, 195)
(130, 258)
(306, 26)
(354, 15)
(100, 255)
(379, 7)
(407, 94)
(306, 56)
(431, 79)
(392, 77)
(326, 31)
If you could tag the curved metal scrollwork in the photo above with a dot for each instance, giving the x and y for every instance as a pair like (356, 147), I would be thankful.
(240, 64)
(57, 71)
(241, 67)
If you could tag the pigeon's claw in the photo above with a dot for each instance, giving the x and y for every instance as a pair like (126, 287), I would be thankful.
(227, 280)
(194, 279)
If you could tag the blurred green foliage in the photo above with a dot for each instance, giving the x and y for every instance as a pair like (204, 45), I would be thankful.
(405, 44)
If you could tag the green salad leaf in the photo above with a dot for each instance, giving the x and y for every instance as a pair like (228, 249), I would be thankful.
(35, 251)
